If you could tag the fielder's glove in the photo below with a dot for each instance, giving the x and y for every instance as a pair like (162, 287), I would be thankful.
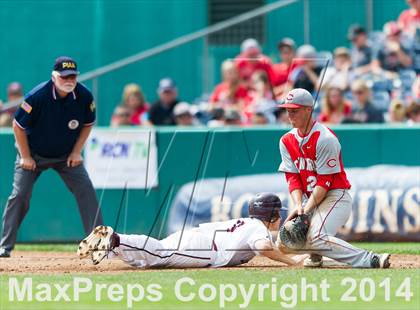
(293, 233)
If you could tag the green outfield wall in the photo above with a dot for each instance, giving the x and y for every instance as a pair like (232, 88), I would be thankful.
(184, 156)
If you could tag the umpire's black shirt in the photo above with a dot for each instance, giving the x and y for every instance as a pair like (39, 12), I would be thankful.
(52, 123)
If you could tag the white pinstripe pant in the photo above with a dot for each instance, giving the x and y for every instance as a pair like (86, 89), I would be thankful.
(331, 215)
(143, 251)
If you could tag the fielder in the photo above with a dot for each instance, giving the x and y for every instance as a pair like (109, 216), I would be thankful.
(218, 244)
(311, 160)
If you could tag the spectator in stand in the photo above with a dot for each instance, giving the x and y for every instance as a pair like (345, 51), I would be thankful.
(409, 19)
(161, 112)
(365, 112)
(14, 95)
(263, 118)
(135, 102)
(264, 114)
(415, 89)
(307, 74)
(392, 55)
(261, 88)
(397, 112)
(361, 51)
(281, 116)
(415, 51)
(413, 113)
(334, 108)
(338, 76)
(230, 92)
(183, 114)
(217, 117)
(282, 70)
(14, 92)
(251, 59)
(261, 94)
(409, 22)
(121, 116)
(232, 118)
(5, 119)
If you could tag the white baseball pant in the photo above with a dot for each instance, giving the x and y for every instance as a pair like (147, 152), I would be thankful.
(194, 250)
(328, 217)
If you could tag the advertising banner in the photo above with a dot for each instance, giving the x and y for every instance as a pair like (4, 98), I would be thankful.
(386, 201)
(116, 158)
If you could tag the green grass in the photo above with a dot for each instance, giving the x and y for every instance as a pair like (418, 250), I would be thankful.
(219, 277)
(68, 247)
(390, 247)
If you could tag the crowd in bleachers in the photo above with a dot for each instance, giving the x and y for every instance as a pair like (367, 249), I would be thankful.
(377, 80)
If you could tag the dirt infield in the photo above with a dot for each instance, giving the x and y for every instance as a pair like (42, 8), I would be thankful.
(64, 263)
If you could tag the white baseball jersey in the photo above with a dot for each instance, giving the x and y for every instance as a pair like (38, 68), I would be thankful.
(215, 244)
(234, 240)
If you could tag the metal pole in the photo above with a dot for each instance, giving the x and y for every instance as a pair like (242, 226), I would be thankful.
(369, 15)
(206, 78)
(306, 22)
(185, 39)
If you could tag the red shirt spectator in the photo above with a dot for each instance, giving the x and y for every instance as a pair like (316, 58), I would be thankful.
(281, 70)
(222, 93)
(136, 117)
(134, 100)
(334, 108)
(409, 19)
(251, 59)
(230, 91)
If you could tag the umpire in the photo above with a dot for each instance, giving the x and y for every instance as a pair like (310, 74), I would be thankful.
(51, 127)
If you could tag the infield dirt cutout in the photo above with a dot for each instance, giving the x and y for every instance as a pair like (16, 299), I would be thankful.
(62, 263)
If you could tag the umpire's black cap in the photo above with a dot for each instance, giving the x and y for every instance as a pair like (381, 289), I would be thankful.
(65, 66)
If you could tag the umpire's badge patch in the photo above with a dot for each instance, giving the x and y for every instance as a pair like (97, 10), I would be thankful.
(73, 124)
(26, 107)
(92, 106)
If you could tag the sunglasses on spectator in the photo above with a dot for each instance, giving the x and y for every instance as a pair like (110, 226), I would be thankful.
(358, 92)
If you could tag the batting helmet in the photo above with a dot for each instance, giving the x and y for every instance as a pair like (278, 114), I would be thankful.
(265, 206)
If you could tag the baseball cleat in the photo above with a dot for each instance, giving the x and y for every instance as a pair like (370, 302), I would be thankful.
(384, 260)
(97, 244)
(4, 253)
(313, 261)
(380, 261)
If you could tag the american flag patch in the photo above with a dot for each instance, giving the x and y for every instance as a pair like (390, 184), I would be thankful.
(26, 107)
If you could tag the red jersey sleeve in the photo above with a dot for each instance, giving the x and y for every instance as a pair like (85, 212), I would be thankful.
(325, 180)
(293, 181)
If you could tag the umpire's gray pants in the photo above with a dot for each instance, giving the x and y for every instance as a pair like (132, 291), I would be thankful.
(76, 179)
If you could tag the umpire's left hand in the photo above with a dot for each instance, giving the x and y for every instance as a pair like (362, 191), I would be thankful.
(74, 160)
